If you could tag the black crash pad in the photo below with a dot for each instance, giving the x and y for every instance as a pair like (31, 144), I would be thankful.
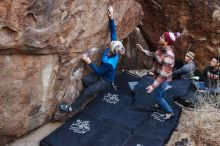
(77, 131)
(191, 94)
(143, 100)
(122, 82)
(126, 118)
(138, 140)
(182, 89)
(179, 88)
(109, 136)
(105, 123)
(109, 101)
(103, 106)
(154, 126)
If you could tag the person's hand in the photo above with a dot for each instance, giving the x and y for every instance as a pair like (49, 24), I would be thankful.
(140, 47)
(86, 59)
(215, 77)
(150, 89)
(212, 77)
(150, 73)
(110, 12)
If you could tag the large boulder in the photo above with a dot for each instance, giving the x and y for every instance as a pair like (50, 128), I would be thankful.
(199, 21)
(27, 93)
(41, 42)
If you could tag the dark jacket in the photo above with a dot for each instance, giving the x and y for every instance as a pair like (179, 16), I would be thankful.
(210, 76)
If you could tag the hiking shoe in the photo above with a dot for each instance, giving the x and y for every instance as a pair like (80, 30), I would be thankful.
(64, 107)
(168, 116)
(179, 143)
(185, 141)
(200, 91)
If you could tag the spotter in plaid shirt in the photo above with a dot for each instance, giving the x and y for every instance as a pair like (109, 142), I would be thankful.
(163, 65)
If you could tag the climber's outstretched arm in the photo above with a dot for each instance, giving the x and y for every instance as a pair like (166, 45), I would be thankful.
(112, 24)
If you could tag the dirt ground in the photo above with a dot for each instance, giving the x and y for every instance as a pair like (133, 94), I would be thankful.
(36, 136)
(200, 127)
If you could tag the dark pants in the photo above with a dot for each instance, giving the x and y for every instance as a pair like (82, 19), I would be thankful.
(93, 84)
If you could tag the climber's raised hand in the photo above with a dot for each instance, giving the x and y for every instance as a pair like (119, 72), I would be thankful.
(140, 47)
(150, 89)
(86, 59)
(110, 12)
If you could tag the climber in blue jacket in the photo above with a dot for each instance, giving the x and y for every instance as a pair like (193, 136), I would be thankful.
(103, 75)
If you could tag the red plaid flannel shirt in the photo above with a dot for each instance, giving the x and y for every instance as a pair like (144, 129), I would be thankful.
(163, 65)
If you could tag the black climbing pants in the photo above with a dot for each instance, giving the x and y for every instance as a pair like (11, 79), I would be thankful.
(93, 84)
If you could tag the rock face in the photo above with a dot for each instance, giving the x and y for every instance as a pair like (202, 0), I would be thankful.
(27, 97)
(134, 58)
(199, 21)
(41, 42)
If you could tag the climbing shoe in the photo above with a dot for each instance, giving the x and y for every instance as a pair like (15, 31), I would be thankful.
(64, 107)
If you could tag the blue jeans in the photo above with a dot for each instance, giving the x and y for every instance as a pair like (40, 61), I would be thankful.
(201, 86)
(159, 96)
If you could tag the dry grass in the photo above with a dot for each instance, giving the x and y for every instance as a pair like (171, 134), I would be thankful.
(203, 126)
(200, 126)
(204, 121)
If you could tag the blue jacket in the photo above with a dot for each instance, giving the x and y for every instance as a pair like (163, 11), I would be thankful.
(108, 64)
